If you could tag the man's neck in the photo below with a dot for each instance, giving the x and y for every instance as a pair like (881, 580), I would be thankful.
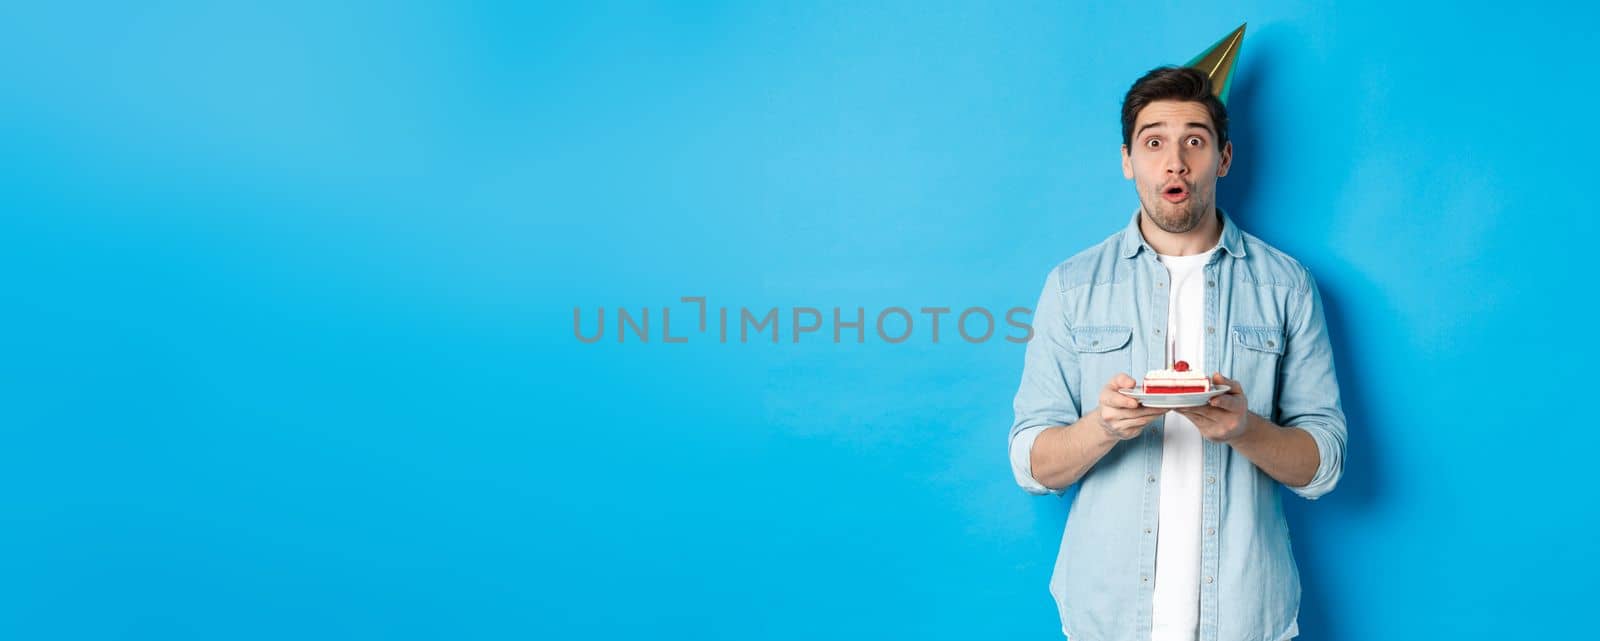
(1199, 240)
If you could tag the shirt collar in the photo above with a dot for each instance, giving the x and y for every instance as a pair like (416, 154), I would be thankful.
(1232, 240)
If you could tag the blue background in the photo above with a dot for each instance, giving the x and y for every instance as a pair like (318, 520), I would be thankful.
(288, 347)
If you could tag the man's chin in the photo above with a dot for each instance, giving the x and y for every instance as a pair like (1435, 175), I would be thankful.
(1175, 218)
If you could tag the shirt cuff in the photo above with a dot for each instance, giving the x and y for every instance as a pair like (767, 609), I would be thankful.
(1022, 461)
(1330, 463)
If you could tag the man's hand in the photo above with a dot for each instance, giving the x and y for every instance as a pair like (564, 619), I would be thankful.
(1123, 417)
(1225, 417)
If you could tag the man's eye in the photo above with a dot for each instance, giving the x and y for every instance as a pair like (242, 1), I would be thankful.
(1153, 143)
(1196, 141)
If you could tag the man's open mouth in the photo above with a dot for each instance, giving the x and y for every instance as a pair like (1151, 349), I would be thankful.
(1175, 193)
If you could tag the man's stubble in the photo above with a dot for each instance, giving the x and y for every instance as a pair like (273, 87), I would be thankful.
(1180, 220)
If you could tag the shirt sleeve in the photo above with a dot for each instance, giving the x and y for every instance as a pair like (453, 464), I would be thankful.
(1046, 396)
(1309, 396)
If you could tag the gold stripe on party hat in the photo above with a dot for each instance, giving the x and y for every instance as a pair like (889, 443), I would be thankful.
(1217, 62)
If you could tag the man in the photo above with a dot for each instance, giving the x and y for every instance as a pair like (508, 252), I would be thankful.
(1177, 531)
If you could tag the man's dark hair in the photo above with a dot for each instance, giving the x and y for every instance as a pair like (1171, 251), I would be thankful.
(1184, 84)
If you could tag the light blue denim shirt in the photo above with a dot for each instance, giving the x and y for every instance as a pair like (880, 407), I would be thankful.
(1103, 312)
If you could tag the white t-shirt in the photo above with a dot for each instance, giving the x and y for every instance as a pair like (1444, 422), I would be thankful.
(1176, 614)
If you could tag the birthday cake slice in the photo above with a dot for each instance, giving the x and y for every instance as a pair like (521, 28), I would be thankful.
(1178, 380)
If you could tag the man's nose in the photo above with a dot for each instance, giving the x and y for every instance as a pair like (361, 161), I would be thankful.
(1175, 163)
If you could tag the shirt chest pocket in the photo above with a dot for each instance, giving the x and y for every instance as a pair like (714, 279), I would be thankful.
(1257, 365)
(1103, 352)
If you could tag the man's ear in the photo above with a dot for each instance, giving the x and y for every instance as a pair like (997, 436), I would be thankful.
(1227, 159)
(1127, 164)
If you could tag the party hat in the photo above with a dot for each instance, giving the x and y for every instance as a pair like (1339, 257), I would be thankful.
(1217, 61)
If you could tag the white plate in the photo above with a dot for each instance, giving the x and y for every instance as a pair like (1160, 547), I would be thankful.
(1191, 399)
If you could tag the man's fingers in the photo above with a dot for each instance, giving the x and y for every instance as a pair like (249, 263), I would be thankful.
(1226, 401)
(1123, 381)
(1133, 418)
(1119, 400)
(1138, 411)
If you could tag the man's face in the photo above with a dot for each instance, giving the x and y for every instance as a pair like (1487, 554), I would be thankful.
(1175, 162)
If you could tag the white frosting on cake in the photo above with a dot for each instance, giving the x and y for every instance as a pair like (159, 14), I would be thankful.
(1175, 374)
(1175, 378)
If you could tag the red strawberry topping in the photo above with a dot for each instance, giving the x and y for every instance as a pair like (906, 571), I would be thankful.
(1180, 366)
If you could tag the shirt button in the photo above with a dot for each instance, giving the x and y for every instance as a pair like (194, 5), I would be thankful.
(1147, 530)
(1210, 480)
(1211, 330)
(1211, 283)
(1208, 579)
(1272, 343)
(1159, 284)
(1151, 478)
(1158, 331)
(1210, 531)
(1144, 579)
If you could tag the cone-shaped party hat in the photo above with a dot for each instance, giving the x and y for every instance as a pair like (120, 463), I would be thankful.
(1217, 62)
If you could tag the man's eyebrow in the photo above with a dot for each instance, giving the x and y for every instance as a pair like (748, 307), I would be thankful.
(1148, 125)
(1200, 125)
